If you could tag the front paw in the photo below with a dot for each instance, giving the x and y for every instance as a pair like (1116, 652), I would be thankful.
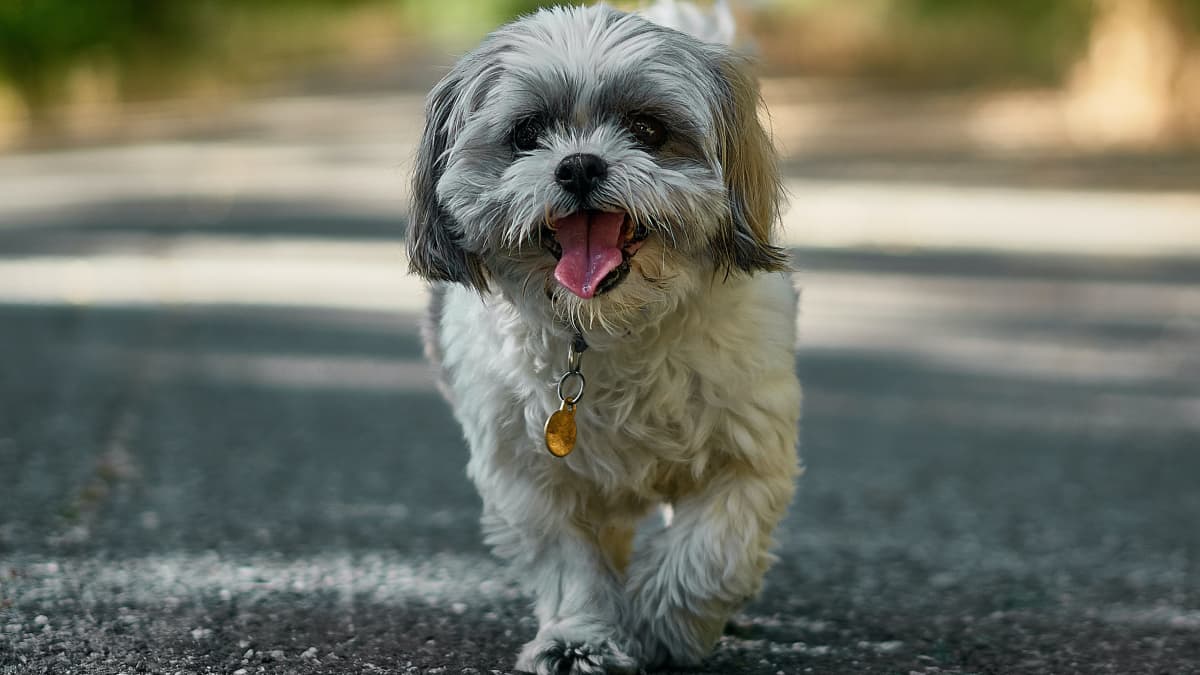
(669, 635)
(671, 643)
(558, 653)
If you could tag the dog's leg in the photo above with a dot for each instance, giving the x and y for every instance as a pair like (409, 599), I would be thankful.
(579, 601)
(617, 542)
(688, 578)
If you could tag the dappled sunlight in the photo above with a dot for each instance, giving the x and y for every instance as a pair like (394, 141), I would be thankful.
(222, 270)
(280, 370)
(957, 412)
(363, 173)
(1051, 330)
(963, 351)
(1066, 329)
(855, 213)
(167, 581)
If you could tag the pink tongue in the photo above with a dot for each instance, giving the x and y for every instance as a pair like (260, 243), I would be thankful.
(591, 248)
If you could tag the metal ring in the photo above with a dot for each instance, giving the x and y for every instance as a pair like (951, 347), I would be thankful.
(562, 380)
(574, 359)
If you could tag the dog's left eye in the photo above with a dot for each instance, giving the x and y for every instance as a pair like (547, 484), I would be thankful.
(648, 131)
(525, 135)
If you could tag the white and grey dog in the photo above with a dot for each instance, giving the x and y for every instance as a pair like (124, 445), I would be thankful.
(589, 179)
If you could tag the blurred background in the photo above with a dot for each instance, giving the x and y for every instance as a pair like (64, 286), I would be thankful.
(1083, 74)
(221, 450)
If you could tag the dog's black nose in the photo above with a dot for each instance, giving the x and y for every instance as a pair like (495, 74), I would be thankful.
(580, 174)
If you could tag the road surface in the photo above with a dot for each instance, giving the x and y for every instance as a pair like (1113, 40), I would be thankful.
(220, 451)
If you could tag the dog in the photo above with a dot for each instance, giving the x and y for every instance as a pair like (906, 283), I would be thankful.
(595, 201)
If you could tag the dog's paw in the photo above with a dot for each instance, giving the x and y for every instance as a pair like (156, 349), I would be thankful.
(671, 644)
(564, 655)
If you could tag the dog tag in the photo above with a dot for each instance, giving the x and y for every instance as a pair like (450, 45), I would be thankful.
(560, 430)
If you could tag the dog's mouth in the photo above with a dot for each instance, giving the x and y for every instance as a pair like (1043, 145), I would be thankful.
(593, 249)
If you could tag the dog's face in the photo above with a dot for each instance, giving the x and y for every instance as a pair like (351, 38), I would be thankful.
(595, 167)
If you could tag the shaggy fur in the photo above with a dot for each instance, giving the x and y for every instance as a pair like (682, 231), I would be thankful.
(692, 401)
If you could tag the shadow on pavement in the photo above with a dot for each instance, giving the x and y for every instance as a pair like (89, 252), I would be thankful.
(149, 224)
(101, 225)
(131, 431)
(1125, 171)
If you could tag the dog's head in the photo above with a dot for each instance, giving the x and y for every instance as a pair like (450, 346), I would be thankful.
(594, 166)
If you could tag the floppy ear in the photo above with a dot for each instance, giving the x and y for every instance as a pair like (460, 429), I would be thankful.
(433, 248)
(751, 175)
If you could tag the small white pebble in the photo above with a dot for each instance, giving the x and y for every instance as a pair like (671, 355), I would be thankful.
(458, 607)
(40, 620)
(240, 671)
(248, 654)
(14, 628)
(277, 654)
(310, 653)
(201, 633)
(149, 520)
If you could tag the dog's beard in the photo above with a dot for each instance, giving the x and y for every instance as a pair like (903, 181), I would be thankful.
(658, 279)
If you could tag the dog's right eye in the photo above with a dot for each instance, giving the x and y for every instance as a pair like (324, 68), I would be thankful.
(525, 135)
(649, 131)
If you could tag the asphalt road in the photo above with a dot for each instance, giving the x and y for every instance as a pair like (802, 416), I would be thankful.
(220, 453)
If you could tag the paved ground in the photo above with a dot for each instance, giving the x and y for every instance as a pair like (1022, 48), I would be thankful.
(219, 451)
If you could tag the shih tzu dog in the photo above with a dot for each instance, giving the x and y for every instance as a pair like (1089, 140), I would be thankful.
(595, 198)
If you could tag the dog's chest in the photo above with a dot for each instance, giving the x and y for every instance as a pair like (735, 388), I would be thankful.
(653, 407)
(657, 420)
(657, 414)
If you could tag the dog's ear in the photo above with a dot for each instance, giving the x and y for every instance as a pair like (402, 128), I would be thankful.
(434, 251)
(751, 171)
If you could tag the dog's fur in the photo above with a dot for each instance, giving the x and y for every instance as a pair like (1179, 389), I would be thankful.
(692, 400)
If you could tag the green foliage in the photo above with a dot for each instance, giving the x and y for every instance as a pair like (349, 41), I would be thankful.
(1190, 9)
(463, 21)
(989, 39)
(43, 41)
(147, 46)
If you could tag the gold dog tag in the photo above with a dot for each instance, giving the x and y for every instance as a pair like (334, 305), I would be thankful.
(560, 430)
